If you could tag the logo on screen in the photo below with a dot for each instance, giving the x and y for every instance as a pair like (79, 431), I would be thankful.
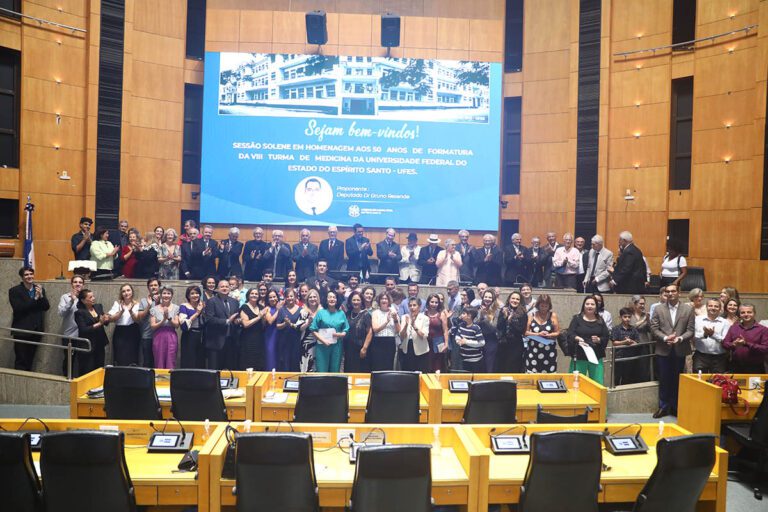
(354, 211)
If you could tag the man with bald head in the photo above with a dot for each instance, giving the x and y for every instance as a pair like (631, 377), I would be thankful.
(515, 262)
(305, 256)
(488, 260)
(388, 253)
(332, 250)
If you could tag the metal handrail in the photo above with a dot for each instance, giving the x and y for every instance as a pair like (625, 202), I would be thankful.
(687, 44)
(630, 358)
(41, 20)
(68, 347)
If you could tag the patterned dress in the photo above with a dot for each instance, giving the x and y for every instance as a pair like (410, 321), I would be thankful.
(540, 358)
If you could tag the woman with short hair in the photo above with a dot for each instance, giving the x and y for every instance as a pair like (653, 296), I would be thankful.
(541, 355)
(169, 256)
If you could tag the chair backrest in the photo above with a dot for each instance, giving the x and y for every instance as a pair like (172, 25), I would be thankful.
(85, 471)
(683, 466)
(19, 485)
(129, 393)
(758, 430)
(275, 472)
(322, 399)
(694, 279)
(543, 416)
(571, 461)
(196, 395)
(491, 401)
(393, 398)
(393, 477)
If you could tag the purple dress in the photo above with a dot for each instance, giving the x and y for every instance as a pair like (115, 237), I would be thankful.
(270, 343)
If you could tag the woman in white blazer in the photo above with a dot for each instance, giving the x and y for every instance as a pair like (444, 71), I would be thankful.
(414, 331)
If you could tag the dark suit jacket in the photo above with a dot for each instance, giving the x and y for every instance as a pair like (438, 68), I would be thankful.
(335, 256)
(388, 264)
(215, 315)
(428, 270)
(535, 265)
(203, 265)
(467, 271)
(85, 322)
(28, 313)
(515, 267)
(284, 262)
(252, 265)
(185, 268)
(357, 259)
(229, 260)
(684, 326)
(488, 272)
(629, 271)
(305, 265)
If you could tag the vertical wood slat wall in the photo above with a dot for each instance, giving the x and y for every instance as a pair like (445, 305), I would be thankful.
(724, 204)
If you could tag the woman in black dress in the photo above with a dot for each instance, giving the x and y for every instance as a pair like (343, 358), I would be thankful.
(511, 326)
(289, 325)
(91, 320)
(359, 337)
(251, 334)
(190, 317)
(209, 287)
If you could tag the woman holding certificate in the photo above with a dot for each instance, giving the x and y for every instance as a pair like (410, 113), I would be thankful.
(588, 335)
(329, 325)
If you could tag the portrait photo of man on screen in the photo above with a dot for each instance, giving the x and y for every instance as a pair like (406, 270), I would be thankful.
(313, 195)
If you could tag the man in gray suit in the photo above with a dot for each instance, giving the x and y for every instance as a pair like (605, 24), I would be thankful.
(597, 277)
(672, 327)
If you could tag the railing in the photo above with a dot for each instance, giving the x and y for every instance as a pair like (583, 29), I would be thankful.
(614, 359)
(687, 44)
(41, 20)
(68, 347)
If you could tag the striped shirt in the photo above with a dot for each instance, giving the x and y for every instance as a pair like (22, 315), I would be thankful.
(472, 350)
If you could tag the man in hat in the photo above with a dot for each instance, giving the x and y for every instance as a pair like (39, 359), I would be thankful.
(409, 256)
(428, 259)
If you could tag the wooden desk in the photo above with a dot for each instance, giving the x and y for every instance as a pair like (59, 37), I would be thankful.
(455, 469)
(590, 393)
(156, 483)
(700, 407)
(621, 483)
(269, 410)
(80, 406)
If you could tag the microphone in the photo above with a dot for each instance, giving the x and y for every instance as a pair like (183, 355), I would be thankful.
(61, 267)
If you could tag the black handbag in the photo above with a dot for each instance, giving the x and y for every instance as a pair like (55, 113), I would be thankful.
(228, 470)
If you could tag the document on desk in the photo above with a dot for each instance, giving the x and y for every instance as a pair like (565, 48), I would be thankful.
(328, 334)
(590, 353)
(233, 393)
(163, 394)
(277, 398)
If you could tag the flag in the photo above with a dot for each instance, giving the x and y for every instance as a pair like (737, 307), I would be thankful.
(29, 246)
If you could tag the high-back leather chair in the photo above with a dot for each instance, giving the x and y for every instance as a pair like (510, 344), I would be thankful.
(754, 436)
(543, 416)
(322, 399)
(275, 472)
(129, 393)
(393, 477)
(85, 471)
(196, 395)
(682, 469)
(393, 398)
(569, 461)
(491, 401)
(19, 485)
(695, 278)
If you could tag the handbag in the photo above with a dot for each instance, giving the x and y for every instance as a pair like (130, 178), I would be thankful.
(228, 469)
(730, 392)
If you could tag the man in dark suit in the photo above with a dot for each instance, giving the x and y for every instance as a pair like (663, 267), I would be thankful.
(253, 255)
(629, 270)
(428, 260)
(549, 251)
(358, 249)
(467, 271)
(29, 304)
(203, 255)
(222, 326)
(535, 262)
(388, 252)
(277, 257)
(672, 328)
(185, 268)
(579, 243)
(515, 261)
(488, 259)
(229, 255)
(321, 281)
(305, 256)
(332, 250)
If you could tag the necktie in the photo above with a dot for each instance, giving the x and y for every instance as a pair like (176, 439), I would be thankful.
(314, 211)
(226, 306)
(594, 265)
(331, 244)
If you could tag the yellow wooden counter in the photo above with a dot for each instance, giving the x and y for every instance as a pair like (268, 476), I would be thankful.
(590, 393)
(700, 407)
(455, 469)
(80, 406)
(621, 483)
(279, 406)
(157, 482)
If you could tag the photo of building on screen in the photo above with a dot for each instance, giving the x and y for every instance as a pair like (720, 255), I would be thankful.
(285, 85)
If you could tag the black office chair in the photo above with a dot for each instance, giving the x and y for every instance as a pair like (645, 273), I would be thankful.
(754, 436)
(393, 398)
(571, 461)
(543, 416)
(86, 471)
(491, 401)
(19, 485)
(393, 477)
(129, 393)
(196, 395)
(694, 279)
(275, 472)
(683, 467)
(322, 399)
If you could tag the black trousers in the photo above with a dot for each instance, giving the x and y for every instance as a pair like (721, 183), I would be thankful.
(224, 358)
(509, 357)
(382, 353)
(89, 361)
(147, 356)
(24, 352)
(352, 361)
(192, 350)
(125, 345)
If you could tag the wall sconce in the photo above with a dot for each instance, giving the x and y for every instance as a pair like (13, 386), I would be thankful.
(58, 118)
(637, 104)
(638, 67)
(732, 14)
(628, 196)
(64, 176)
(636, 165)
(728, 125)
(727, 159)
(639, 35)
(731, 49)
(637, 135)
(58, 81)
(56, 147)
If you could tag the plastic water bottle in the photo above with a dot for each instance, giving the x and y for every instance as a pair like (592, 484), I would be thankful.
(207, 429)
(436, 445)
(247, 425)
(699, 374)
(272, 385)
(661, 428)
(576, 380)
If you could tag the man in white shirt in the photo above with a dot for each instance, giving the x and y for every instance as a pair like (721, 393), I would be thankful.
(600, 260)
(409, 255)
(710, 356)
(565, 261)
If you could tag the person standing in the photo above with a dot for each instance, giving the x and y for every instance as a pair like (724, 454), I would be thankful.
(487, 260)
(203, 255)
(127, 335)
(269, 319)
(437, 332)
(672, 327)
(66, 309)
(308, 339)
(253, 255)
(449, 264)
(588, 332)
(29, 304)
(81, 241)
(289, 325)
(388, 253)
(710, 356)
(465, 249)
(164, 321)
(600, 260)
(229, 254)
(329, 326)
(169, 256)
(332, 250)
(222, 319)
(358, 339)
(629, 272)
(428, 260)
(252, 333)
(487, 320)
(145, 306)
(91, 321)
(305, 256)
(674, 268)
(386, 324)
(358, 249)
(190, 319)
(469, 338)
(414, 331)
(511, 326)
(549, 251)
(566, 261)
(103, 253)
(747, 341)
(277, 258)
(536, 259)
(516, 262)
(543, 323)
